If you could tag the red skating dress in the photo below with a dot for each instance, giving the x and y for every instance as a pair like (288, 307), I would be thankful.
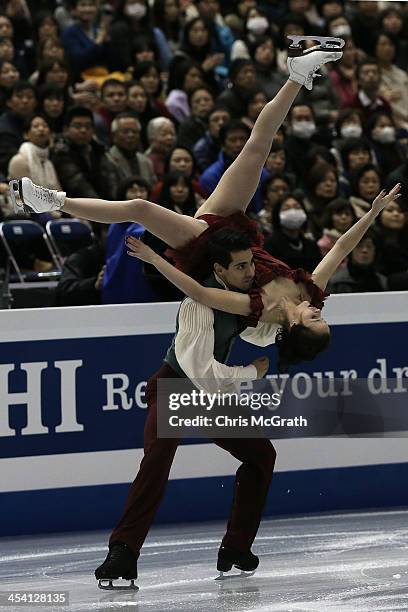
(192, 258)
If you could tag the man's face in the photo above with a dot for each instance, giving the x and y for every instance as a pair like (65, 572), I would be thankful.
(246, 77)
(202, 103)
(86, 10)
(6, 28)
(369, 77)
(115, 98)
(23, 103)
(234, 143)
(240, 272)
(127, 134)
(216, 121)
(6, 50)
(80, 131)
(301, 113)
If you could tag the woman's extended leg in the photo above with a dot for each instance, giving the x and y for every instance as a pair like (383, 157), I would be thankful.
(171, 227)
(240, 181)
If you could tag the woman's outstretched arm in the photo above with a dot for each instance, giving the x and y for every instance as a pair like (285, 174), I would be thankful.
(348, 241)
(220, 299)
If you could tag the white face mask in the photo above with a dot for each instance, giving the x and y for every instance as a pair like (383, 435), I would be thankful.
(137, 11)
(341, 30)
(293, 218)
(385, 135)
(303, 129)
(257, 25)
(351, 131)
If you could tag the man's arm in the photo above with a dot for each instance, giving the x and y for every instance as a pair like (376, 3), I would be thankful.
(195, 347)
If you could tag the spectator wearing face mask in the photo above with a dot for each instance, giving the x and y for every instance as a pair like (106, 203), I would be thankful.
(349, 125)
(302, 137)
(256, 27)
(389, 153)
(288, 242)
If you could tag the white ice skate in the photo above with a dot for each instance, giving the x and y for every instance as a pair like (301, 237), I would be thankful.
(28, 197)
(304, 63)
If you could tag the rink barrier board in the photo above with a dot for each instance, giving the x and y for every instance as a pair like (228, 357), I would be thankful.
(53, 480)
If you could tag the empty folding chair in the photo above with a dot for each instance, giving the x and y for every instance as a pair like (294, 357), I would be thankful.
(68, 235)
(27, 247)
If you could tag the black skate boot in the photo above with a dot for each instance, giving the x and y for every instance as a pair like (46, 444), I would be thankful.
(227, 557)
(121, 562)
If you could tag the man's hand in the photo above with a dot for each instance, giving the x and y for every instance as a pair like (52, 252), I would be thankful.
(262, 366)
(99, 280)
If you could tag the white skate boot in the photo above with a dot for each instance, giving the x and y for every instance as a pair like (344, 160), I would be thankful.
(28, 197)
(303, 64)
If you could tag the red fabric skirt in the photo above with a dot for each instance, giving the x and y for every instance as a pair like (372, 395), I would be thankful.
(192, 258)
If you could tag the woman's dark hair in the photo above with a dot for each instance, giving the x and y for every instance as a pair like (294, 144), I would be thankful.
(125, 184)
(170, 30)
(144, 42)
(178, 69)
(165, 199)
(344, 114)
(316, 175)
(337, 205)
(48, 65)
(141, 69)
(119, 15)
(199, 53)
(225, 241)
(258, 42)
(278, 206)
(320, 154)
(168, 158)
(39, 18)
(50, 90)
(352, 144)
(356, 176)
(392, 39)
(372, 120)
(299, 343)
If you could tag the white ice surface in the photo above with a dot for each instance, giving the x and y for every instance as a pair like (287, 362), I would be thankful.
(321, 563)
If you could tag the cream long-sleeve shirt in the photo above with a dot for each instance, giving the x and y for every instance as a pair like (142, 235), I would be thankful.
(194, 347)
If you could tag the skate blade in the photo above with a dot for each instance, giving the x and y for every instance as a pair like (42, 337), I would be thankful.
(116, 587)
(16, 199)
(325, 42)
(242, 574)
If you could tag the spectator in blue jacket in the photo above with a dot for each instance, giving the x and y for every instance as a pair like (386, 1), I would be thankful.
(207, 149)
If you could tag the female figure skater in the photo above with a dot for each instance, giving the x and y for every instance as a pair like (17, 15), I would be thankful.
(225, 207)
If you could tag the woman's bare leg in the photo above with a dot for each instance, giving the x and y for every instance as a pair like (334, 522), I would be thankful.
(174, 229)
(240, 181)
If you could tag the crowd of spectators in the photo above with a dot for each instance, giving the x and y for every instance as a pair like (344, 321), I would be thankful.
(156, 98)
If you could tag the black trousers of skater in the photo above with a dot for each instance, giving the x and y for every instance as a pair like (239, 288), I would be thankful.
(252, 481)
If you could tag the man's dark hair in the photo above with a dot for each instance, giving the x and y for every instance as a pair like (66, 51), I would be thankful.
(20, 86)
(225, 241)
(299, 343)
(233, 125)
(112, 83)
(368, 61)
(77, 111)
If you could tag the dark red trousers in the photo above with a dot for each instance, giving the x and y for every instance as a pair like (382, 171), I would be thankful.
(252, 481)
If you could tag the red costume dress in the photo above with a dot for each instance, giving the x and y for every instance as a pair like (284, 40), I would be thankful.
(192, 258)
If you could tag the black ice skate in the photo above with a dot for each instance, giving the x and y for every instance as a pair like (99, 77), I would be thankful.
(326, 43)
(120, 563)
(228, 557)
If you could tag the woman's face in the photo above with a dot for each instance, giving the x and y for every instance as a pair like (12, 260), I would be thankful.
(392, 217)
(202, 103)
(39, 132)
(353, 119)
(8, 75)
(327, 188)
(392, 23)
(256, 105)
(369, 185)
(246, 77)
(137, 98)
(358, 158)
(198, 35)
(276, 190)
(384, 50)
(265, 53)
(171, 10)
(47, 29)
(6, 28)
(342, 220)
(192, 80)
(150, 81)
(137, 191)
(58, 75)
(53, 107)
(144, 55)
(179, 192)
(181, 161)
(364, 253)
(52, 51)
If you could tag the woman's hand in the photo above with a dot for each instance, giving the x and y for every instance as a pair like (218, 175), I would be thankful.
(383, 199)
(137, 248)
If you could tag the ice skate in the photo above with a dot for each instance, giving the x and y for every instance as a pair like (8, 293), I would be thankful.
(304, 63)
(29, 198)
(119, 563)
(228, 557)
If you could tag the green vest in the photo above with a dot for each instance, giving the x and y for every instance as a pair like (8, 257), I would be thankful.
(226, 328)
